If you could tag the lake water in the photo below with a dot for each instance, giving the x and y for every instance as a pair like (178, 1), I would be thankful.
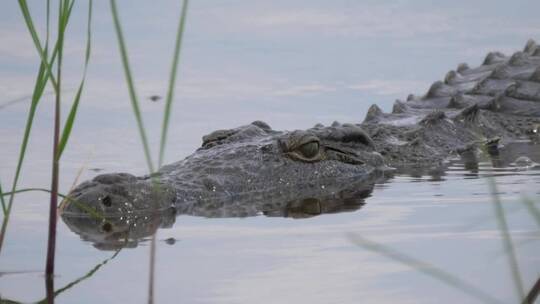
(292, 64)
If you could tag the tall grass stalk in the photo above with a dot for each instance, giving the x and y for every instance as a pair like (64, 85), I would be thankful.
(164, 129)
(51, 243)
(138, 115)
(140, 125)
(68, 126)
(4, 207)
(49, 289)
(131, 86)
(172, 82)
(152, 269)
(533, 293)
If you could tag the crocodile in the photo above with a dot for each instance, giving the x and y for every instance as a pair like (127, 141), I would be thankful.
(253, 169)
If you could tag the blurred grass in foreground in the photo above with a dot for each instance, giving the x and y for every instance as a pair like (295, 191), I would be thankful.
(456, 282)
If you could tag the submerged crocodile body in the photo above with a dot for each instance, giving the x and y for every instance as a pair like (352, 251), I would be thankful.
(254, 169)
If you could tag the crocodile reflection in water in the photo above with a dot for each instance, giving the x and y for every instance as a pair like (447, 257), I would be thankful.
(114, 232)
(504, 160)
(235, 170)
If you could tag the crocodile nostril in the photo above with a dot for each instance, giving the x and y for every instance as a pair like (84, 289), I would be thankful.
(106, 227)
(106, 201)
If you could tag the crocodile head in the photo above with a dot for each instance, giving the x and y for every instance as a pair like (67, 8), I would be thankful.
(250, 165)
(118, 194)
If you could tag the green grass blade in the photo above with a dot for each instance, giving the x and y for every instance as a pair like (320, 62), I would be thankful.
(42, 53)
(39, 87)
(423, 267)
(507, 240)
(51, 242)
(172, 80)
(79, 205)
(86, 276)
(33, 190)
(73, 112)
(533, 293)
(30, 25)
(57, 292)
(164, 130)
(4, 207)
(131, 87)
(68, 126)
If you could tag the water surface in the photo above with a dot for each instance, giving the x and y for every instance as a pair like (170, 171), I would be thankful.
(291, 64)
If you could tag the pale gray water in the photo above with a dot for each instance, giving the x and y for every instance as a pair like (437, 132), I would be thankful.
(292, 64)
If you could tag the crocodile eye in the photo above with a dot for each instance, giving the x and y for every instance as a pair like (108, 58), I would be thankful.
(309, 150)
(302, 146)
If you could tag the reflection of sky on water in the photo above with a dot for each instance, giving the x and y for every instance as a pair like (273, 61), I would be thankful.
(242, 58)
(292, 64)
(276, 260)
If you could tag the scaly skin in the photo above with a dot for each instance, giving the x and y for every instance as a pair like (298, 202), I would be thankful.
(250, 163)
(499, 100)
(253, 169)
